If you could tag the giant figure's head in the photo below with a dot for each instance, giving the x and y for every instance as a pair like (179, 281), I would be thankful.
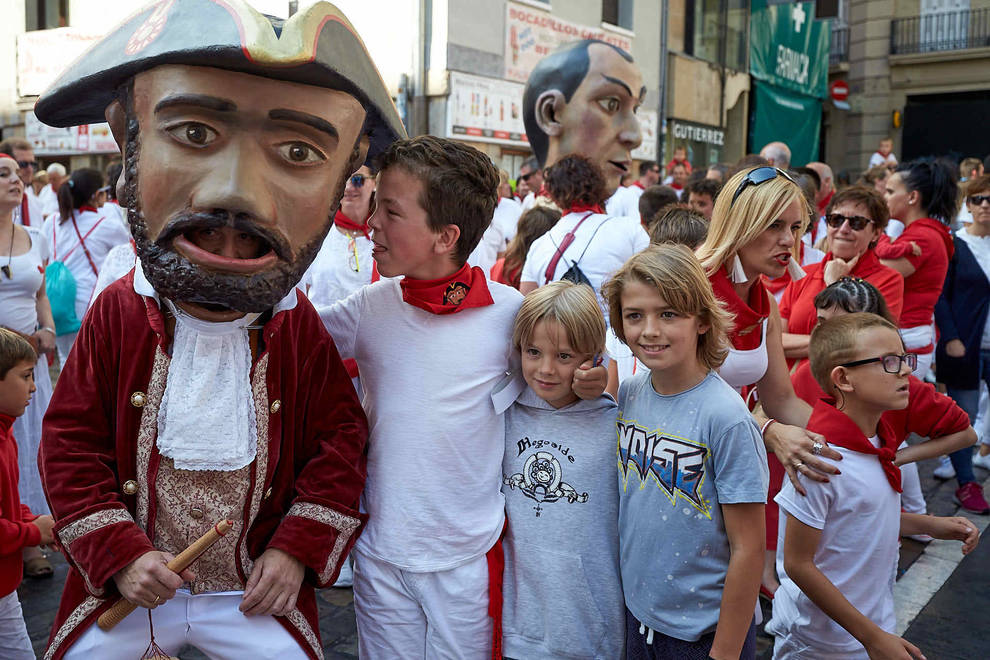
(239, 132)
(582, 99)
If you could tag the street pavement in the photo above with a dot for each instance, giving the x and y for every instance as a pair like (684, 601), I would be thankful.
(939, 603)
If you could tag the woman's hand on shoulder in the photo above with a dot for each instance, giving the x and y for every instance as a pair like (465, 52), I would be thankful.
(801, 452)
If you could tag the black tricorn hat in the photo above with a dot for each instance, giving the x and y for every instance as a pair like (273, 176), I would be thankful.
(318, 46)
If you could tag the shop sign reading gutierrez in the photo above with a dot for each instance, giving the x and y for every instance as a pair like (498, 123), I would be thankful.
(697, 133)
(531, 35)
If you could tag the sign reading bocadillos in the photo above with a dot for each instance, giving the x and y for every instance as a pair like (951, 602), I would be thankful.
(531, 35)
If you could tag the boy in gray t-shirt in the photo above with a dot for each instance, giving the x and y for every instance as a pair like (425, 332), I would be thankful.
(562, 595)
(692, 469)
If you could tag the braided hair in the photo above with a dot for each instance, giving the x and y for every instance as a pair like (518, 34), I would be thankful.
(854, 294)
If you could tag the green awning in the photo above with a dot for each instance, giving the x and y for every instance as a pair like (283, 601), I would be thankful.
(792, 118)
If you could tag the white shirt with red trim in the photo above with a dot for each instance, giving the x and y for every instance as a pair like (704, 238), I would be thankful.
(100, 234)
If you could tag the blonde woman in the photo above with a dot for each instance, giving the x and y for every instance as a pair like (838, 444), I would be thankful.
(759, 216)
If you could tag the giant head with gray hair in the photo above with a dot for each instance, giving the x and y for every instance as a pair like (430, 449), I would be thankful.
(242, 130)
(582, 99)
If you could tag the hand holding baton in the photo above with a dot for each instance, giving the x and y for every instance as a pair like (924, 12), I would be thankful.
(182, 561)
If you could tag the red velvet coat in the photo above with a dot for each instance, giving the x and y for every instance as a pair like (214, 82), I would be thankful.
(99, 459)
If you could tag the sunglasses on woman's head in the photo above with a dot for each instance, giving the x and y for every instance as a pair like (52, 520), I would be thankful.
(856, 222)
(357, 180)
(979, 200)
(758, 176)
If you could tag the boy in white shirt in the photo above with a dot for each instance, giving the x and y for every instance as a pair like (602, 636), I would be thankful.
(431, 348)
(838, 543)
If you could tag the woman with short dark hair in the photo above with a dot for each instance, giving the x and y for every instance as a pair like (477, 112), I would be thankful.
(586, 245)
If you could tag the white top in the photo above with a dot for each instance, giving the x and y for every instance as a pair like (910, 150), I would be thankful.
(100, 234)
(879, 159)
(626, 363)
(48, 200)
(860, 516)
(894, 228)
(19, 294)
(623, 203)
(637, 191)
(120, 260)
(436, 443)
(507, 219)
(742, 368)
(980, 247)
(35, 210)
(485, 253)
(342, 266)
(605, 241)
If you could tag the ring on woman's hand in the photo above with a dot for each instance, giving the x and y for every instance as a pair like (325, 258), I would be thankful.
(157, 598)
(798, 465)
(816, 448)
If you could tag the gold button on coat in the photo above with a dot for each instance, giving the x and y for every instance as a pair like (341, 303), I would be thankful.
(276, 406)
(138, 399)
(268, 493)
(130, 487)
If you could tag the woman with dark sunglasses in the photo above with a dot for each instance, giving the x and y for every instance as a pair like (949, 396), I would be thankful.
(922, 195)
(757, 219)
(963, 355)
(855, 220)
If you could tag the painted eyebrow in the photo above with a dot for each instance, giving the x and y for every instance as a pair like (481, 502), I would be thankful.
(617, 81)
(304, 118)
(200, 100)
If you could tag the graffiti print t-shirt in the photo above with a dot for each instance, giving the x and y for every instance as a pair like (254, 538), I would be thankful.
(680, 457)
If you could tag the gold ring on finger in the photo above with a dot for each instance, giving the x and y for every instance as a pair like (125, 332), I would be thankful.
(798, 465)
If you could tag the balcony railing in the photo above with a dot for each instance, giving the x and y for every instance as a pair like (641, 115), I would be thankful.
(839, 49)
(956, 30)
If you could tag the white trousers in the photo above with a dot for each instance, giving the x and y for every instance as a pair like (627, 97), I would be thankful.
(14, 641)
(921, 336)
(209, 622)
(403, 615)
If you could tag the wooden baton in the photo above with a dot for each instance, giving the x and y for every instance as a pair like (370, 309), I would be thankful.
(123, 607)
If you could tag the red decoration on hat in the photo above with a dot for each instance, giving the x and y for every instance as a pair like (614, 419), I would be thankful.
(150, 29)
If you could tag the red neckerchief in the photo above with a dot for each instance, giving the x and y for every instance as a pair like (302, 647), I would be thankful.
(940, 229)
(584, 208)
(344, 222)
(464, 289)
(638, 184)
(88, 208)
(25, 216)
(676, 186)
(841, 431)
(749, 314)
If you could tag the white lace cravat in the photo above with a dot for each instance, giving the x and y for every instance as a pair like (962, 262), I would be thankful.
(207, 419)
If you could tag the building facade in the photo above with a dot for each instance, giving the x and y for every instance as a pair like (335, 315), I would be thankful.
(917, 71)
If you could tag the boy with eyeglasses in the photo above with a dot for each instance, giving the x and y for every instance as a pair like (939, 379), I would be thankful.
(838, 543)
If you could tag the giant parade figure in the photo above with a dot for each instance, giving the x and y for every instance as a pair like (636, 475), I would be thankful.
(202, 386)
(582, 99)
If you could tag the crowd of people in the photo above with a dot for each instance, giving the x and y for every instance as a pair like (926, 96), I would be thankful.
(540, 423)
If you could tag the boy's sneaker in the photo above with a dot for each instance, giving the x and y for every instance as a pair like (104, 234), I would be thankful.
(970, 497)
(944, 471)
(981, 461)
